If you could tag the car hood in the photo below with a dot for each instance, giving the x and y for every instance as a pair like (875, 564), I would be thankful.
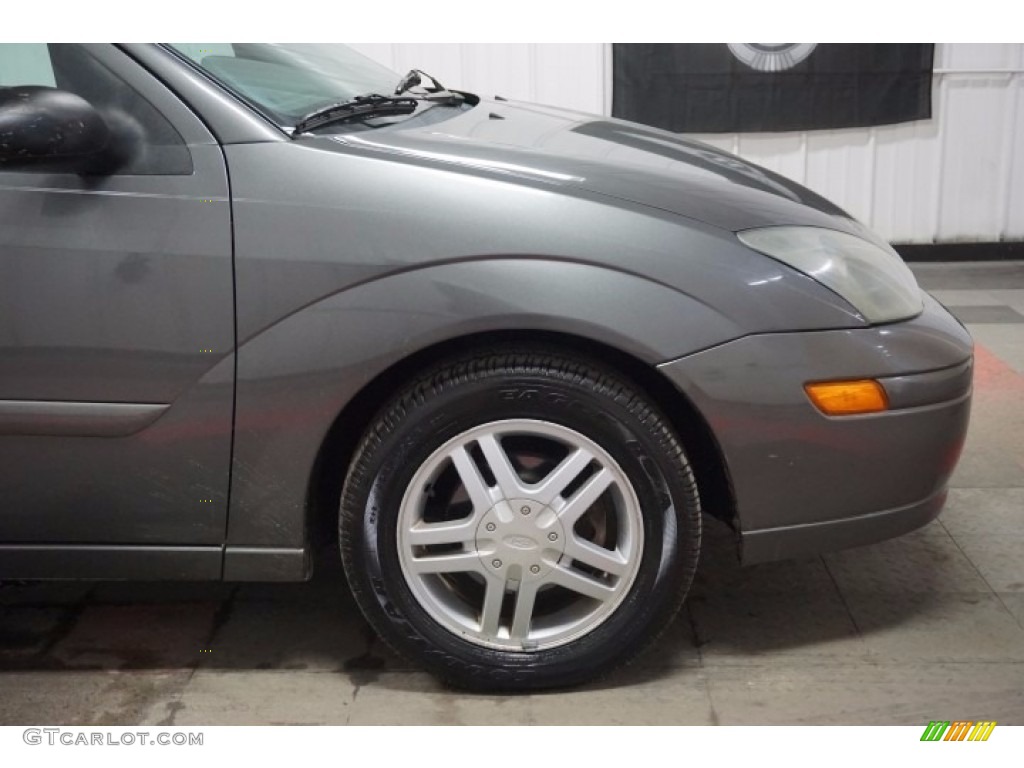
(613, 158)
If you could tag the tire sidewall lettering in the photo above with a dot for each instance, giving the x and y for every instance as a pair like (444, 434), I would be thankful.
(440, 415)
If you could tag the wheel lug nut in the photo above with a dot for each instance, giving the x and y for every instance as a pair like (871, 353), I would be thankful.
(552, 536)
(496, 563)
(525, 510)
(534, 569)
(491, 526)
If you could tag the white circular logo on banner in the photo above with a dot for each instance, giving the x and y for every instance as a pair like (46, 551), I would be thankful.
(771, 57)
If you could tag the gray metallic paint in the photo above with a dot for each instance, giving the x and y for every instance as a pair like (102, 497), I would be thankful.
(335, 228)
(49, 561)
(267, 564)
(353, 251)
(929, 388)
(790, 464)
(114, 291)
(613, 158)
(32, 417)
(808, 539)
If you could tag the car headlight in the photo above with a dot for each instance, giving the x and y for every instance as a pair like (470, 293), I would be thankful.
(873, 278)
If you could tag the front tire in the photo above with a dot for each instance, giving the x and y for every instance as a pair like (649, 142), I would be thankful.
(520, 520)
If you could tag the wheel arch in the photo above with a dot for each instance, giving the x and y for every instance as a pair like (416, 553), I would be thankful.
(323, 370)
(342, 438)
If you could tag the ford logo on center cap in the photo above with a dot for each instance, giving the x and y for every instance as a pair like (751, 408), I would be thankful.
(520, 542)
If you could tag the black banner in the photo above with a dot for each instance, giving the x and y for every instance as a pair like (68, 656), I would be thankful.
(712, 88)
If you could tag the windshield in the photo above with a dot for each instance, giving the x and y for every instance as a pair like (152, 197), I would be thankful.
(288, 81)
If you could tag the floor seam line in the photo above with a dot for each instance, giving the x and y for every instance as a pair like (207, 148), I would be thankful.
(981, 575)
(842, 597)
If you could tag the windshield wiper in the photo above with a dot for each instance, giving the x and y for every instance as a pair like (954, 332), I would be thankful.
(436, 93)
(376, 105)
(361, 107)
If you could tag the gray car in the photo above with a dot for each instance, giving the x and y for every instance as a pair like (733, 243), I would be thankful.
(513, 352)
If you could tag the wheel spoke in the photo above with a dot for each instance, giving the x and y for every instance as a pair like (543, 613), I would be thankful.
(523, 614)
(581, 583)
(453, 532)
(595, 556)
(490, 614)
(560, 477)
(454, 562)
(480, 572)
(584, 498)
(472, 480)
(504, 473)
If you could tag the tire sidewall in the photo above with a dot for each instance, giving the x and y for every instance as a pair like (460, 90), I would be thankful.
(643, 448)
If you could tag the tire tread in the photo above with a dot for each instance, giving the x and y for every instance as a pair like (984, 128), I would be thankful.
(465, 369)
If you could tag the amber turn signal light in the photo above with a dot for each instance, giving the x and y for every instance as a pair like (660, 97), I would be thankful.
(846, 398)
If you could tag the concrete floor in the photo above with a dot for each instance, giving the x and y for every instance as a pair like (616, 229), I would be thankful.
(928, 626)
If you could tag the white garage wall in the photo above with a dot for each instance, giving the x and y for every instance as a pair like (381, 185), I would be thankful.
(956, 177)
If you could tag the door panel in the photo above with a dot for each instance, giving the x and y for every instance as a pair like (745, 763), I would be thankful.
(117, 335)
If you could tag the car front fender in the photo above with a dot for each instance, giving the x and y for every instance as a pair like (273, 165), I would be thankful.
(295, 377)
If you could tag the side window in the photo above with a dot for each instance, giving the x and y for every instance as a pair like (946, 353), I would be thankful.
(25, 64)
(158, 149)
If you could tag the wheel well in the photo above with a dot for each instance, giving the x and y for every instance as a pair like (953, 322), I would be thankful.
(341, 441)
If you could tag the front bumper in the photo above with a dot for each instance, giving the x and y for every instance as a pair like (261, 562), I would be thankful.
(805, 482)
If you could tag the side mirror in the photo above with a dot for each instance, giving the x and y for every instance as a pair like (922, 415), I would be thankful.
(54, 129)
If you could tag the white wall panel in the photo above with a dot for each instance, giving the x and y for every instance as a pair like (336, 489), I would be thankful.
(907, 179)
(972, 155)
(1013, 222)
(840, 165)
(565, 75)
(958, 176)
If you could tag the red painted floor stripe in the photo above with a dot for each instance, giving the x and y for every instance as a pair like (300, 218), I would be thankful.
(992, 375)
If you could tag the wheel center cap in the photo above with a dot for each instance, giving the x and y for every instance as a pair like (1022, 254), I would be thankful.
(520, 540)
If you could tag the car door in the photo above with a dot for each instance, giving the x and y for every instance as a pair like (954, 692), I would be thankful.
(116, 338)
